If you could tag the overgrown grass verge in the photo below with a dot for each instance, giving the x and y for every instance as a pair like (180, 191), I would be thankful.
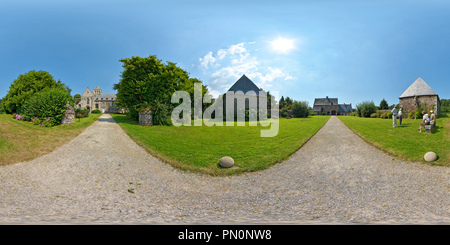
(404, 141)
(198, 149)
(22, 141)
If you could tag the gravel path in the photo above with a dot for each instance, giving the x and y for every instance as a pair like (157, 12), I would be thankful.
(102, 176)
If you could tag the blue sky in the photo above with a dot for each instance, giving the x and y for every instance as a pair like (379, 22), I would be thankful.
(352, 50)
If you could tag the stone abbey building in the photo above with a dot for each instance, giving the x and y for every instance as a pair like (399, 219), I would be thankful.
(330, 106)
(96, 100)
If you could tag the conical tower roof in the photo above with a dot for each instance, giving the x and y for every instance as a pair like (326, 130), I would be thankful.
(418, 88)
(244, 84)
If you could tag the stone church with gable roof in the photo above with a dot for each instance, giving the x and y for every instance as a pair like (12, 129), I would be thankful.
(244, 85)
(420, 94)
(330, 106)
(96, 100)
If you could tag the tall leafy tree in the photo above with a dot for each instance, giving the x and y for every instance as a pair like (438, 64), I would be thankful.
(76, 98)
(383, 105)
(281, 103)
(147, 80)
(26, 85)
(288, 103)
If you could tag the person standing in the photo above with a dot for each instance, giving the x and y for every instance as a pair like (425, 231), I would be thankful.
(394, 116)
(400, 116)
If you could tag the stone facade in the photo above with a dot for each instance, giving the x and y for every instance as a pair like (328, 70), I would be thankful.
(420, 94)
(96, 100)
(145, 118)
(69, 117)
(330, 106)
(427, 103)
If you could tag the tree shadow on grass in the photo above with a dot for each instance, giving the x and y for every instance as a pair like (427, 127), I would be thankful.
(110, 120)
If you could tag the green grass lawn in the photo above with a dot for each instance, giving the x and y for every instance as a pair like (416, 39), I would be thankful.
(23, 141)
(405, 141)
(198, 149)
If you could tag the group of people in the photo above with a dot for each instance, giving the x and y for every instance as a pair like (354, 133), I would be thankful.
(426, 120)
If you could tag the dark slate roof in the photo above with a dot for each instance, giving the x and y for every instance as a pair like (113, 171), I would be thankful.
(104, 97)
(345, 108)
(418, 88)
(325, 101)
(244, 84)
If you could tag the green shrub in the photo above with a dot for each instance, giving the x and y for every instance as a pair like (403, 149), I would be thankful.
(160, 113)
(365, 109)
(49, 104)
(96, 112)
(300, 108)
(35, 120)
(419, 114)
(389, 114)
(412, 114)
(378, 113)
(81, 113)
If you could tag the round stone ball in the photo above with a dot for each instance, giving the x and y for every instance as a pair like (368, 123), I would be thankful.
(430, 156)
(226, 162)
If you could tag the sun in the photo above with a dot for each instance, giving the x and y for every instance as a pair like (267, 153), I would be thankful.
(283, 45)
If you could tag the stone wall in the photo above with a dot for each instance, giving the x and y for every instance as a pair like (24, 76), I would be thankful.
(69, 117)
(426, 102)
(145, 118)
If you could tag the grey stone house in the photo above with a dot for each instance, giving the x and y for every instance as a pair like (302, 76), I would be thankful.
(419, 93)
(330, 106)
(96, 100)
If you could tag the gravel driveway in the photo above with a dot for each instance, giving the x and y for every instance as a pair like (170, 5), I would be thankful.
(102, 176)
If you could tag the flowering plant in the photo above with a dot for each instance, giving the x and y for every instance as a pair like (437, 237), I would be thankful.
(35, 120)
(46, 122)
(18, 117)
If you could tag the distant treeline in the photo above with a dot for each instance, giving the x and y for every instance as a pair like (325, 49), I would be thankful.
(445, 105)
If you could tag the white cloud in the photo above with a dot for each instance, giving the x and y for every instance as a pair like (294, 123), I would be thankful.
(231, 63)
(207, 60)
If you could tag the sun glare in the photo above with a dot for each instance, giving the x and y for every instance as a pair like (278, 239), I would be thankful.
(283, 45)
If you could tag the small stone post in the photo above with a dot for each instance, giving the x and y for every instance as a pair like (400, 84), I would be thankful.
(145, 117)
(69, 117)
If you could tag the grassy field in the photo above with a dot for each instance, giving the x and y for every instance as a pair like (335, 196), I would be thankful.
(405, 141)
(198, 149)
(23, 141)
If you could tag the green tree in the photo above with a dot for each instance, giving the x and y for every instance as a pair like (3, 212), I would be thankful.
(365, 108)
(146, 80)
(48, 103)
(383, 105)
(281, 103)
(76, 98)
(300, 108)
(26, 85)
(288, 103)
